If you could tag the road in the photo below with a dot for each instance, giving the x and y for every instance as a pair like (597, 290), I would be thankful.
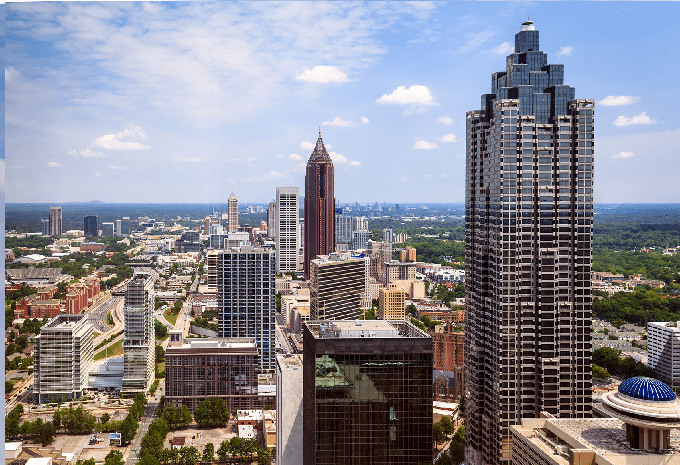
(149, 416)
(22, 395)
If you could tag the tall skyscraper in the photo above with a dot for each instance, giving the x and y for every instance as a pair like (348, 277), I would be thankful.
(367, 393)
(287, 228)
(271, 220)
(246, 299)
(232, 211)
(45, 226)
(336, 285)
(343, 229)
(528, 215)
(90, 226)
(140, 340)
(55, 221)
(319, 205)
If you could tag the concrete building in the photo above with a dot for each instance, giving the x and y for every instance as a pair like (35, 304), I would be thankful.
(367, 393)
(63, 355)
(246, 300)
(232, 209)
(391, 303)
(379, 253)
(91, 226)
(319, 224)
(140, 341)
(528, 237)
(343, 229)
(108, 230)
(414, 288)
(408, 254)
(337, 282)
(448, 347)
(663, 351)
(55, 226)
(289, 409)
(271, 221)
(360, 238)
(399, 271)
(287, 220)
(45, 227)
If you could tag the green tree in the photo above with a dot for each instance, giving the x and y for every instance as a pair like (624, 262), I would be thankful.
(185, 416)
(209, 452)
(160, 354)
(447, 425)
(128, 429)
(457, 448)
(114, 458)
(443, 459)
(152, 444)
(189, 455)
(438, 433)
(105, 418)
(149, 459)
(224, 450)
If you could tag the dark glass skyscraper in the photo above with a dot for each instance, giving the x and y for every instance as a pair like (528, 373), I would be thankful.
(319, 205)
(90, 226)
(529, 210)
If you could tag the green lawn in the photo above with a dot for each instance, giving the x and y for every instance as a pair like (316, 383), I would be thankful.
(116, 349)
(160, 367)
(172, 318)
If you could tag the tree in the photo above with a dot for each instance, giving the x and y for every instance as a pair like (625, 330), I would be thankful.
(114, 458)
(224, 450)
(128, 429)
(149, 460)
(105, 418)
(443, 459)
(599, 372)
(185, 417)
(152, 443)
(160, 354)
(189, 455)
(438, 433)
(461, 405)
(89, 461)
(209, 452)
(447, 425)
(263, 457)
(171, 416)
(457, 448)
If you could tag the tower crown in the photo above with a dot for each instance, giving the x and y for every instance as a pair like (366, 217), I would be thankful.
(320, 154)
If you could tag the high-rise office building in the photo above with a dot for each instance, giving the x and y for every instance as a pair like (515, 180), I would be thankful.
(289, 412)
(125, 226)
(379, 253)
(45, 227)
(246, 299)
(319, 235)
(108, 229)
(287, 221)
(271, 220)
(90, 226)
(232, 210)
(367, 393)
(140, 340)
(663, 350)
(336, 285)
(528, 236)
(391, 303)
(55, 221)
(343, 229)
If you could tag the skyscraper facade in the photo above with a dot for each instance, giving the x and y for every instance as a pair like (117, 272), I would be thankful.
(139, 343)
(271, 220)
(245, 299)
(55, 221)
(232, 211)
(319, 205)
(90, 226)
(336, 285)
(529, 209)
(287, 228)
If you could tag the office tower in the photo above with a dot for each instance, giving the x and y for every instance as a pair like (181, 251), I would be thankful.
(360, 238)
(63, 355)
(246, 299)
(107, 229)
(367, 393)
(140, 339)
(528, 235)
(319, 235)
(663, 350)
(271, 220)
(388, 235)
(287, 220)
(232, 209)
(90, 226)
(336, 284)
(391, 303)
(55, 221)
(379, 253)
(343, 228)
(397, 271)
(45, 227)
(189, 241)
(125, 226)
(360, 223)
(289, 434)
(118, 230)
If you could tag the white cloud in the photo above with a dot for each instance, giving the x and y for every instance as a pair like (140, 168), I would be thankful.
(445, 119)
(117, 167)
(566, 51)
(278, 155)
(424, 145)
(187, 159)
(11, 74)
(119, 142)
(337, 158)
(624, 155)
(618, 100)
(475, 40)
(87, 153)
(322, 74)
(306, 145)
(338, 122)
(354, 163)
(403, 179)
(503, 49)
(642, 118)
(364, 120)
(294, 156)
(251, 158)
(449, 138)
(53, 164)
(232, 159)
(414, 95)
(265, 177)
(427, 176)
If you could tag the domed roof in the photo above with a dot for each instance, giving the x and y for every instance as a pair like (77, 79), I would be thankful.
(646, 389)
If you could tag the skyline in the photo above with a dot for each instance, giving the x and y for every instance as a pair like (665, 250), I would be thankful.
(193, 100)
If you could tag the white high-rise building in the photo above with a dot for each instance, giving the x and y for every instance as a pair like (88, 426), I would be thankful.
(663, 351)
(233, 212)
(287, 228)
(140, 340)
(55, 221)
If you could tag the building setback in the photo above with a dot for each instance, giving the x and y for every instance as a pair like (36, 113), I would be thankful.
(287, 224)
(319, 227)
(528, 236)
(367, 393)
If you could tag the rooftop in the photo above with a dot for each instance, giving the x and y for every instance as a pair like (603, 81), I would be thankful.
(364, 328)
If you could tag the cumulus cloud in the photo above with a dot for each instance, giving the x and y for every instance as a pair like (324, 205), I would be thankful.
(265, 177)
(566, 51)
(642, 118)
(449, 138)
(624, 155)
(337, 122)
(251, 158)
(364, 120)
(337, 158)
(424, 145)
(294, 156)
(445, 119)
(307, 145)
(503, 49)
(187, 159)
(475, 40)
(354, 163)
(618, 100)
(11, 74)
(87, 153)
(53, 164)
(322, 74)
(125, 140)
(414, 95)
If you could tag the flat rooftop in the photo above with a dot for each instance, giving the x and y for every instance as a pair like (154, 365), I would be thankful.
(217, 343)
(328, 329)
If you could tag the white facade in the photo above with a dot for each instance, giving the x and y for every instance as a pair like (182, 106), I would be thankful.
(287, 229)
(233, 212)
(663, 351)
(289, 434)
(140, 340)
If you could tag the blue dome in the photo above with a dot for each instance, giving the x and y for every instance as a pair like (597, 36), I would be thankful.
(647, 389)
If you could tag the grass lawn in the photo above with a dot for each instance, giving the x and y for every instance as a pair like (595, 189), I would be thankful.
(95, 335)
(160, 367)
(172, 318)
(116, 349)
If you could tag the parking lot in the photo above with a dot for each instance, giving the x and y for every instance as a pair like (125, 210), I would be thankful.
(199, 437)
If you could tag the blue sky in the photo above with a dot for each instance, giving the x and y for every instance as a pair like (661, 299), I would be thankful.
(183, 102)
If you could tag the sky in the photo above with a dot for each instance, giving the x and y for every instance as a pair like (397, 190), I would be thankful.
(185, 101)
